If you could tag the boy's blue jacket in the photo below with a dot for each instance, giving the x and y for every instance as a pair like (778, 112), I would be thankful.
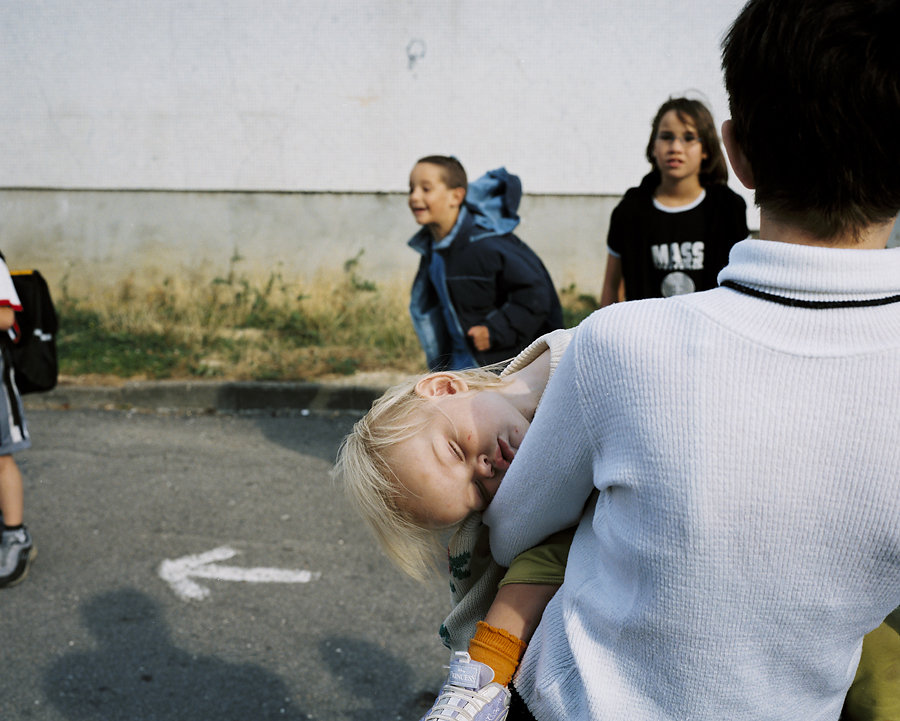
(481, 274)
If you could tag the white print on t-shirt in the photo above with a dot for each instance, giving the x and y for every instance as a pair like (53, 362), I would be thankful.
(678, 256)
(676, 283)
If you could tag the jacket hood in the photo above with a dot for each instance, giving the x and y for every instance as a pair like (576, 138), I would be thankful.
(493, 200)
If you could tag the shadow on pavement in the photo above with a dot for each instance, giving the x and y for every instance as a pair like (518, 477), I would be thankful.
(137, 674)
(378, 681)
(319, 437)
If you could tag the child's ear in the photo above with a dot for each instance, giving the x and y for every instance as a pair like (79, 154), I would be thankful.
(459, 195)
(739, 163)
(441, 384)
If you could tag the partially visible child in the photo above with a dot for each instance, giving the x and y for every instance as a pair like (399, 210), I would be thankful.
(672, 234)
(16, 547)
(430, 455)
(480, 295)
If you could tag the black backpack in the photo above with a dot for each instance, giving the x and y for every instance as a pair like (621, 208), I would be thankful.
(31, 342)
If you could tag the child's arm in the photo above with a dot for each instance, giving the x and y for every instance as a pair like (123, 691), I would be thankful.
(9, 299)
(525, 291)
(613, 286)
(7, 318)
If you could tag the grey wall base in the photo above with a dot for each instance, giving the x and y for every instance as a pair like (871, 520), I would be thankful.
(93, 239)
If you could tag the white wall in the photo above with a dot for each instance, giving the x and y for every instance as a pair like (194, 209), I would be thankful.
(343, 94)
(123, 121)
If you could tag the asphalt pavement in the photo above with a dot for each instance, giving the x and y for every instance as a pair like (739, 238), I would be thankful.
(196, 562)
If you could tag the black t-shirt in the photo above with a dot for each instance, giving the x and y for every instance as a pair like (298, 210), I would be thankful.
(667, 252)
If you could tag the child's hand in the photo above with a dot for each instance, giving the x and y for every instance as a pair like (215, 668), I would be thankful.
(481, 337)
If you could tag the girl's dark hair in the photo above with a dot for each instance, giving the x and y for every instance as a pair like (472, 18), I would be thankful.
(713, 168)
(814, 94)
(452, 171)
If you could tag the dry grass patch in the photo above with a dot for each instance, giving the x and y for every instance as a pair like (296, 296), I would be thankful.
(233, 327)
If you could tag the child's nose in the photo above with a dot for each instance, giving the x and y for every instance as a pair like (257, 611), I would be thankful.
(484, 467)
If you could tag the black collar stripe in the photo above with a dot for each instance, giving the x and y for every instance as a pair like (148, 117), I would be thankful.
(799, 303)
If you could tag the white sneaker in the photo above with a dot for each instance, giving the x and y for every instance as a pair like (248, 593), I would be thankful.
(16, 551)
(469, 694)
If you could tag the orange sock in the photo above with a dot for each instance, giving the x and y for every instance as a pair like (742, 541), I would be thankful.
(498, 649)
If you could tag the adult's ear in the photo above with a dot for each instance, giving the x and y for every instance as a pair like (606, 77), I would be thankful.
(440, 384)
(739, 162)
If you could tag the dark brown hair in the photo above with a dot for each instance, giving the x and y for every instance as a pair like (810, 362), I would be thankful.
(452, 171)
(814, 93)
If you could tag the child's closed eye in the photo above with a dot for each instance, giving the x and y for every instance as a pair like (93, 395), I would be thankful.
(457, 451)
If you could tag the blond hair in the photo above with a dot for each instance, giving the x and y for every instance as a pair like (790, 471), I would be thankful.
(373, 487)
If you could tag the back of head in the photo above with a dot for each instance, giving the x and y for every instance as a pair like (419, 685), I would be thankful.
(452, 171)
(815, 104)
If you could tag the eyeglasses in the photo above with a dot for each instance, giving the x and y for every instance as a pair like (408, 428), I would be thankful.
(669, 137)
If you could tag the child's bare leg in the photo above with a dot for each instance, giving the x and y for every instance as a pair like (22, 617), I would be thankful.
(502, 637)
(11, 493)
(518, 607)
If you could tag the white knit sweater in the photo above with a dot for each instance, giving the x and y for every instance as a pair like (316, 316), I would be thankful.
(747, 532)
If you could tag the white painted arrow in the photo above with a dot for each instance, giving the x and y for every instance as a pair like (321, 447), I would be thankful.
(178, 573)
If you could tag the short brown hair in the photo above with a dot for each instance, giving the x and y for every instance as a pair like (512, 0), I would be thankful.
(452, 172)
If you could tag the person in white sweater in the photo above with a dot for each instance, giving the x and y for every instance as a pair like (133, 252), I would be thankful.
(729, 456)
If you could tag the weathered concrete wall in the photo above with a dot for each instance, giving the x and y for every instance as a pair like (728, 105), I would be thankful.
(94, 239)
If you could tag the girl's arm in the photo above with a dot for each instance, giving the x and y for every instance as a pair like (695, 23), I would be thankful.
(613, 282)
